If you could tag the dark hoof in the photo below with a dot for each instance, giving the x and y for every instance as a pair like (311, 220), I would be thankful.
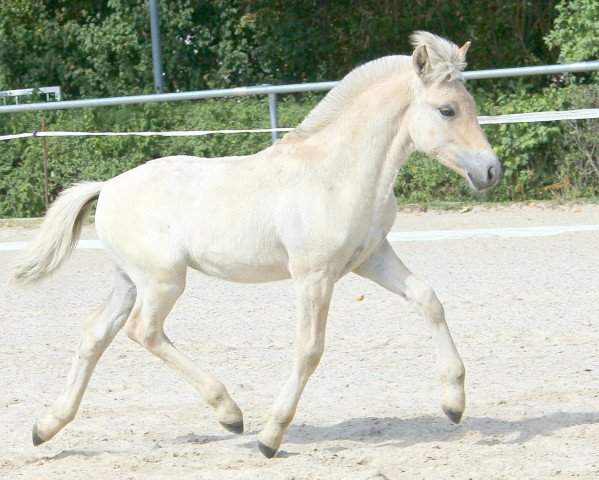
(266, 451)
(234, 427)
(454, 416)
(37, 440)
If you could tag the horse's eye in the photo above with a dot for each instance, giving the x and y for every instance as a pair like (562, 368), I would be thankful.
(447, 111)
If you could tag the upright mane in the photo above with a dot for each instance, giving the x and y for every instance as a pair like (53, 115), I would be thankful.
(447, 61)
(353, 83)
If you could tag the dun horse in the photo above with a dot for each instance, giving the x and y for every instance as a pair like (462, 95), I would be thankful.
(313, 207)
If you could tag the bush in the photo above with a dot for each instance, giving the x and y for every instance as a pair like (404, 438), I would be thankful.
(578, 173)
(72, 159)
(541, 160)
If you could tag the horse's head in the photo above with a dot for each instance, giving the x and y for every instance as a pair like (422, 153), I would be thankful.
(443, 120)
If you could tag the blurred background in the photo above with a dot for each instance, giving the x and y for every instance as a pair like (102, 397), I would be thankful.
(97, 49)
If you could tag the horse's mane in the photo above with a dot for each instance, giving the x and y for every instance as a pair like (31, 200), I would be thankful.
(446, 63)
(353, 83)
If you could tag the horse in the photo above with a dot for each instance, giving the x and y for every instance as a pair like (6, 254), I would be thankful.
(313, 207)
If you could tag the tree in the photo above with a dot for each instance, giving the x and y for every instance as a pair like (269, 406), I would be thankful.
(574, 33)
(102, 48)
(94, 49)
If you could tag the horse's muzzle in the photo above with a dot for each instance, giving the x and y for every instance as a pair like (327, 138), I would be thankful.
(486, 174)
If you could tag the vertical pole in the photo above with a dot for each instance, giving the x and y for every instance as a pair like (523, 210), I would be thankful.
(156, 51)
(45, 164)
(274, 117)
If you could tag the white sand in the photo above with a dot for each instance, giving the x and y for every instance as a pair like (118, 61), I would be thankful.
(524, 314)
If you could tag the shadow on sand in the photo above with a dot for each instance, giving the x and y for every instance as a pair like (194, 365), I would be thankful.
(412, 431)
(193, 438)
(70, 453)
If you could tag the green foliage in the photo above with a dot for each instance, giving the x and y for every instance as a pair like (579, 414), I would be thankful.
(527, 150)
(578, 170)
(422, 180)
(102, 48)
(98, 158)
(94, 49)
(575, 31)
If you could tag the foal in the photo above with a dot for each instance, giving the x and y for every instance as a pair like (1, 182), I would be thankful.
(313, 207)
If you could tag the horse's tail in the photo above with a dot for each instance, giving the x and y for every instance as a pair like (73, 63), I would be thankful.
(58, 234)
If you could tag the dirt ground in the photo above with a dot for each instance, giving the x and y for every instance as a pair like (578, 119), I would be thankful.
(524, 314)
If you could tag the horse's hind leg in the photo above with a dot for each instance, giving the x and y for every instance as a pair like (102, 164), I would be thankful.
(145, 326)
(384, 268)
(99, 330)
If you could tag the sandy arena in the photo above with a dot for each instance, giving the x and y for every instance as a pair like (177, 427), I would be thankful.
(524, 314)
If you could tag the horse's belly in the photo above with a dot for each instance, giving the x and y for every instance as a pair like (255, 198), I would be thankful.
(242, 273)
(240, 270)
(242, 255)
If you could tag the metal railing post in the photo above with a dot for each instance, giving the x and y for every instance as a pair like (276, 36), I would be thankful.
(156, 50)
(274, 116)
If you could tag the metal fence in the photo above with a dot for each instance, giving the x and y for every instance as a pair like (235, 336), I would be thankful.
(273, 90)
(22, 92)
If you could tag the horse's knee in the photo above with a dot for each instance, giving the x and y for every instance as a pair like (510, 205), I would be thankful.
(90, 350)
(424, 295)
(131, 329)
(432, 306)
(146, 336)
(144, 325)
(94, 340)
(140, 332)
(310, 358)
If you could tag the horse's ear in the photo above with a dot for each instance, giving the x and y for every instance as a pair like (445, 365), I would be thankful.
(421, 61)
(464, 48)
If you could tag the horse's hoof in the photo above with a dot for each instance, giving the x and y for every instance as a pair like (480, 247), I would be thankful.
(266, 451)
(234, 427)
(454, 416)
(37, 440)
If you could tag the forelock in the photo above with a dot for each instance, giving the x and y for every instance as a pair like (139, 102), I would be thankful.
(446, 60)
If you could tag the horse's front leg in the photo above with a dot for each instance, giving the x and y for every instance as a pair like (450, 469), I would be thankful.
(314, 296)
(386, 269)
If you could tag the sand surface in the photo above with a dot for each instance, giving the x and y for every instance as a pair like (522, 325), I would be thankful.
(524, 314)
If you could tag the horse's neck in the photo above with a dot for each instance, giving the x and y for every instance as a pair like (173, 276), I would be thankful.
(368, 145)
(377, 172)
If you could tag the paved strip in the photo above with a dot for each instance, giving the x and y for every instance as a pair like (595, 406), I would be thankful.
(488, 233)
(418, 236)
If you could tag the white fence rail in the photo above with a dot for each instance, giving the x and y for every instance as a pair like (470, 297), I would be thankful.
(483, 120)
(272, 90)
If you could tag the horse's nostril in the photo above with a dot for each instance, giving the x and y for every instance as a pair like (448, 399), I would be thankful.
(491, 173)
